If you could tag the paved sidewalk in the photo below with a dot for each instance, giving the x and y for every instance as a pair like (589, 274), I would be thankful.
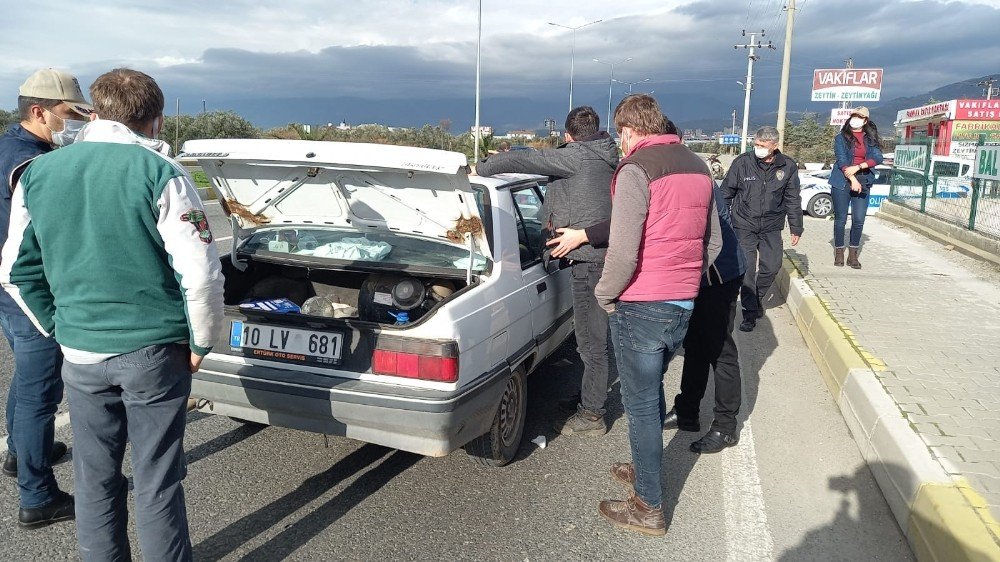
(933, 318)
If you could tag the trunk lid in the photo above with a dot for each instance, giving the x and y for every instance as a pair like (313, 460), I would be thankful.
(269, 182)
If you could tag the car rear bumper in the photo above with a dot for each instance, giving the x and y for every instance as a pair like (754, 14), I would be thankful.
(422, 421)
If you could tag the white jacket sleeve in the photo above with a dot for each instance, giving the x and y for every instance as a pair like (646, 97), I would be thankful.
(188, 241)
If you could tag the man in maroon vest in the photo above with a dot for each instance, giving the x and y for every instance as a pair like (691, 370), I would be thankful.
(664, 233)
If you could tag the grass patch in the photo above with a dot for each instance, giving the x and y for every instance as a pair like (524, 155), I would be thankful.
(200, 179)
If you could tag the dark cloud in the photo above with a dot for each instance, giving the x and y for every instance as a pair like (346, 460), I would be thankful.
(687, 53)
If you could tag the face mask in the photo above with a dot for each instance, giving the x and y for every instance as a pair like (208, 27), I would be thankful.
(857, 122)
(761, 152)
(71, 128)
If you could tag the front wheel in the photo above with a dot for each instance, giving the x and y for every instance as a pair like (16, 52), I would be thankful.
(498, 446)
(821, 205)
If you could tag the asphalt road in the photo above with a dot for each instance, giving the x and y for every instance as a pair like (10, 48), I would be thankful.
(795, 488)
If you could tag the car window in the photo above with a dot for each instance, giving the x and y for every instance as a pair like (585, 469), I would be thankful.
(527, 208)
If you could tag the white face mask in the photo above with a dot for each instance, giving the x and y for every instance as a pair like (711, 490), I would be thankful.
(761, 152)
(857, 123)
(71, 128)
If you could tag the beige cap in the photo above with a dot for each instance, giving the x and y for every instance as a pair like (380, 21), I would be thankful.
(862, 111)
(51, 84)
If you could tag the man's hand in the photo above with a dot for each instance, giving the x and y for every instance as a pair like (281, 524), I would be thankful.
(195, 362)
(795, 239)
(568, 240)
(472, 170)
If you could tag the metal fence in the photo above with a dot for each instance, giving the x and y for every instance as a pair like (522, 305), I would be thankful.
(964, 201)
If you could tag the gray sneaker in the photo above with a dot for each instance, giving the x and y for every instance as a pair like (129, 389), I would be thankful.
(582, 423)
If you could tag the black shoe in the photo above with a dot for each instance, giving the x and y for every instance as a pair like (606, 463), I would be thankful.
(713, 442)
(748, 324)
(10, 461)
(674, 422)
(60, 509)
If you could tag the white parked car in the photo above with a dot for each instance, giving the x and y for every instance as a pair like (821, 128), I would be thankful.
(426, 301)
(816, 198)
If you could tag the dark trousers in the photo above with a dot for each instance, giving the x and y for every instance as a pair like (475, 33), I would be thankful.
(709, 343)
(34, 395)
(140, 398)
(763, 252)
(590, 322)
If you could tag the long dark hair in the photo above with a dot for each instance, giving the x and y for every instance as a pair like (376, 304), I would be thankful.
(870, 131)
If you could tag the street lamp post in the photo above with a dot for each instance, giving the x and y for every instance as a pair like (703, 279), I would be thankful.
(572, 55)
(479, 44)
(611, 82)
(630, 84)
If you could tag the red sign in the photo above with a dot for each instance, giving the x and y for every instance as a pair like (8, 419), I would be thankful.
(847, 84)
(977, 110)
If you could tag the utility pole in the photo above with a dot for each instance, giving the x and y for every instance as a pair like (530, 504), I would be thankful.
(786, 64)
(988, 87)
(849, 63)
(753, 45)
(733, 129)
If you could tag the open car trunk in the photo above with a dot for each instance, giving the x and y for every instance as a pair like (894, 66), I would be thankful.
(343, 311)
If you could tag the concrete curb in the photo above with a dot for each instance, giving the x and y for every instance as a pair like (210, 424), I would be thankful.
(942, 517)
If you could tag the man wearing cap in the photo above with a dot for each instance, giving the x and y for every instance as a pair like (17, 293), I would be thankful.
(52, 109)
(134, 319)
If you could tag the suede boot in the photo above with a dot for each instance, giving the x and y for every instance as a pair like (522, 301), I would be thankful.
(838, 257)
(852, 258)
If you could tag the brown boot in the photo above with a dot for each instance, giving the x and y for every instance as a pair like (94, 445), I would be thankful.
(624, 474)
(852, 258)
(633, 514)
(838, 257)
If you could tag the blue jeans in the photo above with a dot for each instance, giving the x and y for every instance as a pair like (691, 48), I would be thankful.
(646, 335)
(139, 397)
(843, 200)
(32, 400)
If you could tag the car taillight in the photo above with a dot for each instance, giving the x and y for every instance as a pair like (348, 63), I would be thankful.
(416, 359)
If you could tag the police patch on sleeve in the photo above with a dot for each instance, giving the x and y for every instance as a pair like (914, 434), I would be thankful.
(197, 218)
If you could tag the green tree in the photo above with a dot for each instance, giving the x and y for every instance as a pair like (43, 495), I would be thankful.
(8, 118)
(210, 125)
(809, 141)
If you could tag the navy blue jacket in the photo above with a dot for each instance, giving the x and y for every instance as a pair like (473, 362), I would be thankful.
(730, 264)
(845, 158)
(17, 147)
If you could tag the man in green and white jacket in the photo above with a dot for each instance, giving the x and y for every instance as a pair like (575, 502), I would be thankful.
(110, 252)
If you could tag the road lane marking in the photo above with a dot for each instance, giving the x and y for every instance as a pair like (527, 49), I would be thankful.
(61, 421)
(223, 238)
(747, 534)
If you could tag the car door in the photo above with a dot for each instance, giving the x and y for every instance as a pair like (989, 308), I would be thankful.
(547, 289)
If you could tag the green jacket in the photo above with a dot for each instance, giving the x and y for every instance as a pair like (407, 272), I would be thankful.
(109, 248)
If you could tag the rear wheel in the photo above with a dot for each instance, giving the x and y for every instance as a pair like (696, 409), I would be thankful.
(498, 446)
(821, 205)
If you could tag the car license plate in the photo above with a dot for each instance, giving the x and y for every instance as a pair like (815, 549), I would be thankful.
(286, 344)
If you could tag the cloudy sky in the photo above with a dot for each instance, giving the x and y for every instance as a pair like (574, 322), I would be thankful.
(414, 60)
